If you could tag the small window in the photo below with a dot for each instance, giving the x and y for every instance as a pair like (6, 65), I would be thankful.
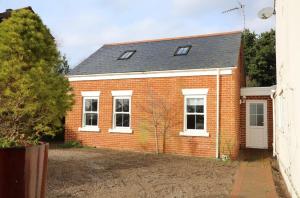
(256, 114)
(121, 112)
(184, 50)
(195, 112)
(126, 55)
(90, 111)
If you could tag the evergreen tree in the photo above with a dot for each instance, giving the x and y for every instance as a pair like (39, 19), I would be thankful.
(34, 96)
(260, 58)
(64, 67)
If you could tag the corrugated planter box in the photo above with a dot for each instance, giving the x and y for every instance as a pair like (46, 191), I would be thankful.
(23, 171)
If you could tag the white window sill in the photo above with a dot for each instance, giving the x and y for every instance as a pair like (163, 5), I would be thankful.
(89, 129)
(120, 130)
(194, 133)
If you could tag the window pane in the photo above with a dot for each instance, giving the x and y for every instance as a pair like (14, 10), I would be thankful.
(190, 109)
(180, 51)
(184, 50)
(118, 120)
(94, 119)
(88, 104)
(252, 120)
(200, 109)
(94, 104)
(260, 108)
(191, 105)
(253, 108)
(260, 120)
(125, 105)
(118, 105)
(199, 121)
(91, 119)
(88, 119)
(190, 121)
(125, 120)
(126, 55)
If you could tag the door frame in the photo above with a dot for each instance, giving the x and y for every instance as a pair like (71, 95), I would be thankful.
(265, 102)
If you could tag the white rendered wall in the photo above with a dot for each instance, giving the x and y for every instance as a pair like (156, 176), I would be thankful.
(287, 143)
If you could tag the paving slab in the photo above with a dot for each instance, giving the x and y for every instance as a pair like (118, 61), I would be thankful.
(254, 176)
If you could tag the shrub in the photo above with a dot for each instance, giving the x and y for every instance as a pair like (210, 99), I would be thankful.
(71, 144)
(34, 96)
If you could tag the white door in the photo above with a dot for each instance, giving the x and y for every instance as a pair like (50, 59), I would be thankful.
(256, 124)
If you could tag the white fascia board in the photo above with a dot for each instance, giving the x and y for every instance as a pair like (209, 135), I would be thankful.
(90, 93)
(152, 74)
(122, 93)
(201, 91)
(256, 91)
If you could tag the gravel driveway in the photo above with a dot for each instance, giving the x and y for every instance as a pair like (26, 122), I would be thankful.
(106, 173)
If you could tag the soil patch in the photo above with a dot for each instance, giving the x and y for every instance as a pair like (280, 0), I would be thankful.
(106, 173)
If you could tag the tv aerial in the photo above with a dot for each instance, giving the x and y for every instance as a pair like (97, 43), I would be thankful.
(240, 7)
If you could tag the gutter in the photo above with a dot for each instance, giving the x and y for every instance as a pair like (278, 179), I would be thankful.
(218, 115)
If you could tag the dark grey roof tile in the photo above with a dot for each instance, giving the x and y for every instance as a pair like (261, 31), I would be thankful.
(212, 51)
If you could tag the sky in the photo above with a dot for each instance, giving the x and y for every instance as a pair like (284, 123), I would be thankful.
(80, 27)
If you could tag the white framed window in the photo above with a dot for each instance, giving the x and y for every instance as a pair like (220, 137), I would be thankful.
(195, 116)
(121, 112)
(90, 111)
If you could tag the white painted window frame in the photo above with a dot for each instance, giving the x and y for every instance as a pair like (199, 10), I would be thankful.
(85, 96)
(198, 94)
(122, 94)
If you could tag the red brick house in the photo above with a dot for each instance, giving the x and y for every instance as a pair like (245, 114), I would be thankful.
(195, 80)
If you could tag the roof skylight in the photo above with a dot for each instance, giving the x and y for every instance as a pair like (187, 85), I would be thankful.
(127, 54)
(183, 50)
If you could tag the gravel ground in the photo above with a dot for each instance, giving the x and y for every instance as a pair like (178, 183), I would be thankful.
(106, 173)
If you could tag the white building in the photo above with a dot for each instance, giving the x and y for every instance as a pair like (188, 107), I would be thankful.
(287, 96)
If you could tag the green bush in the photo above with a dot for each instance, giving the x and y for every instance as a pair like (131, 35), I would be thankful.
(34, 95)
(71, 144)
(7, 143)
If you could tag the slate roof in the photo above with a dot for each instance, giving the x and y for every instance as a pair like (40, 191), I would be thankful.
(208, 51)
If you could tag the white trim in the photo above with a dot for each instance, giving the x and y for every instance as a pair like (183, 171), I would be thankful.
(89, 128)
(202, 91)
(151, 74)
(218, 116)
(120, 130)
(90, 93)
(195, 133)
(256, 91)
(121, 93)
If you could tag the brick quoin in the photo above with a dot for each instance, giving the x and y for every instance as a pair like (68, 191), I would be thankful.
(169, 88)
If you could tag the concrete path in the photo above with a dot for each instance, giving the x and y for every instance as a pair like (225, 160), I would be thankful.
(254, 177)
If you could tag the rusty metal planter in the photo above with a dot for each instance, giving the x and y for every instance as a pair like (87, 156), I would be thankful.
(23, 171)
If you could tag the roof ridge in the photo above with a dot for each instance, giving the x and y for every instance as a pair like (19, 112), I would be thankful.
(175, 38)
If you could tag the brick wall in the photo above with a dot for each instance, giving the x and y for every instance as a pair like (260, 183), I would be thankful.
(269, 119)
(169, 89)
